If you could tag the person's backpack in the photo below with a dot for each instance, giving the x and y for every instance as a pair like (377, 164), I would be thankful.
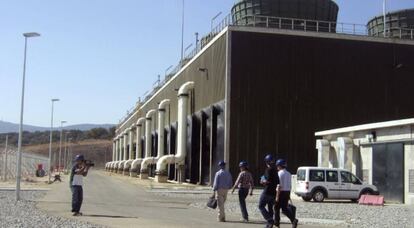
(212, 202)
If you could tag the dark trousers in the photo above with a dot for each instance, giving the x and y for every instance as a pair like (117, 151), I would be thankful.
(243, 192)
(284, 198)
(77, 198)
(269, 201)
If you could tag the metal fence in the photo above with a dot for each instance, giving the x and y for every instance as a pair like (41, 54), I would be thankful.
(8, 161)
(274, 23)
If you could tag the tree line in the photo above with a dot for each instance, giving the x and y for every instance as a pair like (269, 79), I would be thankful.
(42, 137)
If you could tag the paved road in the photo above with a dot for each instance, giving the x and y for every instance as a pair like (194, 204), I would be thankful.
(114, 202)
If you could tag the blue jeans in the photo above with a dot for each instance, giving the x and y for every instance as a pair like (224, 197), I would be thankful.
(269, 201)
(243, 192)
(77, 198)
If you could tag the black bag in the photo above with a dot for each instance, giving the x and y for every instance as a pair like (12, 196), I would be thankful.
(212, 202)
(292, 208)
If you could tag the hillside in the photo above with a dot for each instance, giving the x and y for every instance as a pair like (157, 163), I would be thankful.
(95, 144)
(8, 127)
(99, 151)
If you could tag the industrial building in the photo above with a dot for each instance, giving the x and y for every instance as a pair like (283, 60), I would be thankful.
(264, 86)
(381, 154)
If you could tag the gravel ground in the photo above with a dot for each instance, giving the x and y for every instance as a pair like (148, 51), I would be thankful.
(25, 214)
(331, 213)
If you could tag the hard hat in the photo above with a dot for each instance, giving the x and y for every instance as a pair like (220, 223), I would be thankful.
(79, 157)
(281, 162)
(269, 158)
(243, 164)
(221, 163)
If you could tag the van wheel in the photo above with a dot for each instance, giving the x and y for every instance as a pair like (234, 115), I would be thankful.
(306, 198)
(318, 196)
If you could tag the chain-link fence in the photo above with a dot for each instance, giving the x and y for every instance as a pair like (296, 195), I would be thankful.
(30, 163)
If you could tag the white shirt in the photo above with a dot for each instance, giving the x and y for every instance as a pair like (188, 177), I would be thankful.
(77, 180)
(285, 179)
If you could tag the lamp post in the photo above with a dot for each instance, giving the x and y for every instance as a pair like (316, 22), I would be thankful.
(51, 139)
(65, 153)
(19, 147)
(214, 18)
(60, 144)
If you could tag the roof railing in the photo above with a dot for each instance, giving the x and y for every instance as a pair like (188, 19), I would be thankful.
(274, 23)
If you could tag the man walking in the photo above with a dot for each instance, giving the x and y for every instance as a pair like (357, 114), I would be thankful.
(284, 188)
(270, 180)
(223, 181)
(79, 170)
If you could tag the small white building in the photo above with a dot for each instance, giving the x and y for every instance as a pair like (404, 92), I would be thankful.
(380, 153)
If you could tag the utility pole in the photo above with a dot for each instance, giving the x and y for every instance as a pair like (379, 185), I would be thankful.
(5, 159)
(60, 144)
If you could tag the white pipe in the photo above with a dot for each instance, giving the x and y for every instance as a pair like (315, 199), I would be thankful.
(137, 162)
(161, 124)
(148, 129)
(178, 158)
(123, 152)
(128, 163)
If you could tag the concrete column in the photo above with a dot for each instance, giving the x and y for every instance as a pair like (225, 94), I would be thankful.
(323, 146)
(346, 152)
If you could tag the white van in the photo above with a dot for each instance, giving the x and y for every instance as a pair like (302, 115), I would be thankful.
(319, 183)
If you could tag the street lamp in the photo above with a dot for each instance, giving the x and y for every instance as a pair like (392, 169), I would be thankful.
(19, 147)
(51, 139)
(214, 18)
(60, 143)
(65, 153)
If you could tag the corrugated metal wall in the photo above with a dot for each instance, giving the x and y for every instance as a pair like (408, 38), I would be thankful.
(285, 88)
(207, 91)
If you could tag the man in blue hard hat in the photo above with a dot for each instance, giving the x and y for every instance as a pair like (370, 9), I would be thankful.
(79, 170)
(269, 180)
(223, 181)
(284, 188)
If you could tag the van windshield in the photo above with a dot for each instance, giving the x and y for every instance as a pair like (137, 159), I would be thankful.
(301, 175)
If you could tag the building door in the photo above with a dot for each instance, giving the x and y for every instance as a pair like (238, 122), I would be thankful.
(388, 171)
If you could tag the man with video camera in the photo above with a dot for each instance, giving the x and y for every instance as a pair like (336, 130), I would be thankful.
(79, 170)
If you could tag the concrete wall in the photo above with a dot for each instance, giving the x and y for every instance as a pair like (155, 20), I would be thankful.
(363, 150)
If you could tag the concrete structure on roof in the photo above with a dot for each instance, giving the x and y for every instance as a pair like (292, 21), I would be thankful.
(398, 24)
(380, 153)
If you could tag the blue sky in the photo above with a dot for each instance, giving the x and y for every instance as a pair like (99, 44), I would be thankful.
(99, 56)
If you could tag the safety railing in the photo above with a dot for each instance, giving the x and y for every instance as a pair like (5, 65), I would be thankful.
(275, 23)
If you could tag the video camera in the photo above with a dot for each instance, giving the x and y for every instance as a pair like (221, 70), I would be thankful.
(89, 163)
